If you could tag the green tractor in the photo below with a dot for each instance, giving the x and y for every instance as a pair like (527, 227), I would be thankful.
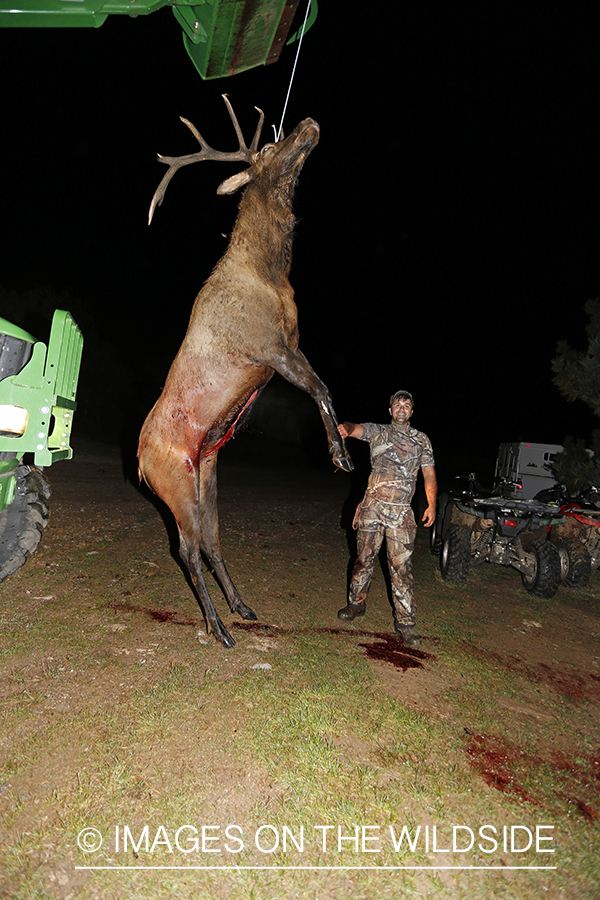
(221, 37)
(38, 383)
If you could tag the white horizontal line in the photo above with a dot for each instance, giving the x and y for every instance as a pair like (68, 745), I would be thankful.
(298, 868)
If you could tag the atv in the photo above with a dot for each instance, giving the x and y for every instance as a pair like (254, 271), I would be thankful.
(38, 383)
(477, 525)
(577, 537)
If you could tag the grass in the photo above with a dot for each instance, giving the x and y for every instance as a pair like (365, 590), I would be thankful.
(409, 773)
(190, 736)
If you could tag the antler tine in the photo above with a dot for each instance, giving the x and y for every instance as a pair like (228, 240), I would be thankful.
(236, 124)
(257, 133)
(174, 164)
(196, 133)
(243, 154)
(254, 145)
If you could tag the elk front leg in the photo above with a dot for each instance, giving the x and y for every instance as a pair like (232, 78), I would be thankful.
(296, 369)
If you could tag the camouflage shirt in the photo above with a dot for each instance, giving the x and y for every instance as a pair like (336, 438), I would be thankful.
(397, 454)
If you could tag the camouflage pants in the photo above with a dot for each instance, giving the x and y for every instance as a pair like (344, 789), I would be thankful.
(397, 524)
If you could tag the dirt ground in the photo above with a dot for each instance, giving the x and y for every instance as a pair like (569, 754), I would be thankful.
(108, 564)
(272, 517)
(267, 512)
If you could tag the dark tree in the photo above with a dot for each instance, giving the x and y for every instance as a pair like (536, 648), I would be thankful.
(577, 377)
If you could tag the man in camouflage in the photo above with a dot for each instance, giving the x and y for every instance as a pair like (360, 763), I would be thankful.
(398, 451)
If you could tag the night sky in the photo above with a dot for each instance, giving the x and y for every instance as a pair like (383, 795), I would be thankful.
(448, 231)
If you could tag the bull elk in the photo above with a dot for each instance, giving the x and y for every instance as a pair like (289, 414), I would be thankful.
(243, 328)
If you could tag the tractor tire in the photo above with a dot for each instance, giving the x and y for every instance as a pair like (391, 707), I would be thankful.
(455, 558)
(575, 563)
(22, 523)
(545, 579)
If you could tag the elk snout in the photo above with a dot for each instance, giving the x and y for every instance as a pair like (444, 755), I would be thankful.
(309, 130)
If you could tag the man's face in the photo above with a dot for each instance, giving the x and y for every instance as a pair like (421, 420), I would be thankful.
(401, 410)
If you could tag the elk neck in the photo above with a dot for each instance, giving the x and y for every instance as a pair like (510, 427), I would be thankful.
(264, 230)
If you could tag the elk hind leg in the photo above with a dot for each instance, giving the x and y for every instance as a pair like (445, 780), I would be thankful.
(182, 495)
(208, 526)
(191, 558)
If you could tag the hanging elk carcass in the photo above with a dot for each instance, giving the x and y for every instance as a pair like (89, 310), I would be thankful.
(243, 328)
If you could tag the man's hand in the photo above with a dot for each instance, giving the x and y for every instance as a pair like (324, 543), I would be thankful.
(429, 516)
(349, 429)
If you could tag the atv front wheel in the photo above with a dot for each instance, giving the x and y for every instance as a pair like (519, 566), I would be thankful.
(22, 523)
(435, 538)
(575, 563)
(545, 578)
(455, 559)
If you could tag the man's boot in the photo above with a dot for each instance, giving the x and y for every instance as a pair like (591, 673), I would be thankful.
(351, 611)
(408, 635)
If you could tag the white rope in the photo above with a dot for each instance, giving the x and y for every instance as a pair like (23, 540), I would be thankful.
(278, 133)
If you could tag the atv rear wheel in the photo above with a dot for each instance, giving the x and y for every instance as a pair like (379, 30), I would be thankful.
(545, 578)
(455, 559)
(575, 563)
(22, 523)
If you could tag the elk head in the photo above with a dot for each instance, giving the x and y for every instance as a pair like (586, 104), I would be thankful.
(278, 163)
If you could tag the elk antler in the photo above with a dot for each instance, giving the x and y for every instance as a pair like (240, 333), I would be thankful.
(244, 154)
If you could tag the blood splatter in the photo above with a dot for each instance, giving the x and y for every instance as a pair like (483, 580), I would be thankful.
(393, 650)
(159, 615)
(499, 764)
(384, 648)
(573, 684)
(586, 810)
(507, 768)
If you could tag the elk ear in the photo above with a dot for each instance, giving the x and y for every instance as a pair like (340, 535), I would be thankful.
(231, 185)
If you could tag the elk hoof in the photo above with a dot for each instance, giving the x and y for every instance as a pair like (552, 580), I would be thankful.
(246, 613)
(344, 463)
(224, 637)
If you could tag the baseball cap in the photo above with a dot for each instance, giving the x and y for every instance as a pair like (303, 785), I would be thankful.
(404, 394)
